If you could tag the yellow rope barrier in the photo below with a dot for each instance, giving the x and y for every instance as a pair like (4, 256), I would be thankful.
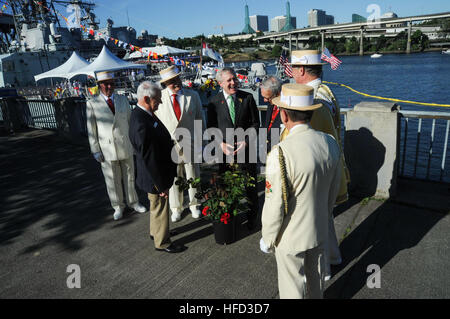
(386, 98)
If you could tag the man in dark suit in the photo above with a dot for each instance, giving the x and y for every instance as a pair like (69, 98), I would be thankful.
(270, 89)
(155, 168)
(233, 108)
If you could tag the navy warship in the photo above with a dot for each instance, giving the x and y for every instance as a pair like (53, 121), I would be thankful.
(36, 38)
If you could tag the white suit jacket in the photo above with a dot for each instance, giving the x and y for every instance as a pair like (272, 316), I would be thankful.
(312, 160)
(108, 133)
(191, 110)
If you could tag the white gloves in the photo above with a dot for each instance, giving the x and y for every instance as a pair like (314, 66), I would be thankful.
(264, 248)
(99, 157)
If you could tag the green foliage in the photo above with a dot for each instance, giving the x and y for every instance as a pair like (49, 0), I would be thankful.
(381, 43)
(225, 193)
(254, 55)
(352, 45)
(315, 42)
(330, 44)
(217, 42)
(365, 201)
(419, 40)
(276, 50)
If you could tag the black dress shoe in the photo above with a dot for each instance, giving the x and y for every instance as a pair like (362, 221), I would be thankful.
(171, 249)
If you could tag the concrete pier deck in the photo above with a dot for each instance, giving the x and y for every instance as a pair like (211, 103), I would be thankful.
(54, 212)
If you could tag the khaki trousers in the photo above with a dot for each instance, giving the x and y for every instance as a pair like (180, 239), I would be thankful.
(159, 220)
(114, 172)
(300, 276)
(176, 197)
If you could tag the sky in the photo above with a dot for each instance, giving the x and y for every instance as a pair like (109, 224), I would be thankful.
(182, 18)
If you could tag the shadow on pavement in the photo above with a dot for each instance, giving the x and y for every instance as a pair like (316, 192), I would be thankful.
(46, 180)
(378, 239)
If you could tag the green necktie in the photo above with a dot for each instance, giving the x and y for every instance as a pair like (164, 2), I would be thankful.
(232, 111)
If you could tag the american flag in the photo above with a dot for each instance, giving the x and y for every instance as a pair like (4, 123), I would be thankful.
(327, 56)
(285, 63)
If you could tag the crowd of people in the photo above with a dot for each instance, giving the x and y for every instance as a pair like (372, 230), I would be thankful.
(67, 89)
(306, 176)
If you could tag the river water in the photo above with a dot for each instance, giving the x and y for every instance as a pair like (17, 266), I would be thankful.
(420, 77)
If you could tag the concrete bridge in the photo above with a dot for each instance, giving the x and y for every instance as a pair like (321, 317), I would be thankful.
(365, 29)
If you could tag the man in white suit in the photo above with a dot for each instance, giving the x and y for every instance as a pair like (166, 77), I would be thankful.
(301, 187)
(108, 117)
(307, 69)
(180, 108)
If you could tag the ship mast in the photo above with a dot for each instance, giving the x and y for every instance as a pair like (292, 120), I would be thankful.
(81, 6)
(32, 12)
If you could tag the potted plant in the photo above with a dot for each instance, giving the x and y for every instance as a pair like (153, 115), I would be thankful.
(224, 196)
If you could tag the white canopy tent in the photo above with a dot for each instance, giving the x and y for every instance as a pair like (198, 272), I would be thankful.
(106, 61)
(160, 50)
(74, 63)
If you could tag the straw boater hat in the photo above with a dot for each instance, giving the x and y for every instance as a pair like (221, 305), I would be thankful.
(105, 76)
(169, 73)
(306, 57)
(296, 97)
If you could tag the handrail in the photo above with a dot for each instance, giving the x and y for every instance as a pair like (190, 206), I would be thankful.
(423, 145)
(415, 114)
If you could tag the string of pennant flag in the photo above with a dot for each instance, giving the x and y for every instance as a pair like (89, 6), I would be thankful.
(119, 43)
(4, 7)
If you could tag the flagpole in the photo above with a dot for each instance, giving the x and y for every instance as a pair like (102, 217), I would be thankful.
(201, 53)
(200, 68)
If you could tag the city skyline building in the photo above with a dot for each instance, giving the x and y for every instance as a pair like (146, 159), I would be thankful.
(288, 25)
(318, 17)
(247, 29)
(356, 18)
(259, 23)
(277, 23)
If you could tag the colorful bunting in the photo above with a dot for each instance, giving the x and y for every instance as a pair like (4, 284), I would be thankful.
(92, 32)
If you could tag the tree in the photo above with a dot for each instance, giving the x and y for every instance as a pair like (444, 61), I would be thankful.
(381, 43)
(276, 50)
(352, 46)
(330, 44)
(314, 42)
(420, 40)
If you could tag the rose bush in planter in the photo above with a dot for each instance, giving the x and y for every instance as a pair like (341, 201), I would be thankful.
(224, 196)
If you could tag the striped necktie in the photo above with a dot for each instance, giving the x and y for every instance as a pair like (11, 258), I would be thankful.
(231, 108)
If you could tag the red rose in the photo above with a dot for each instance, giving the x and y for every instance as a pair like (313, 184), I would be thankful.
(205, 210)
(224, 218)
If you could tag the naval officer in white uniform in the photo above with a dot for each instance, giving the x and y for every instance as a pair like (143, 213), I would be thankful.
(108, 116)
(179, 109)
(302, 175)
